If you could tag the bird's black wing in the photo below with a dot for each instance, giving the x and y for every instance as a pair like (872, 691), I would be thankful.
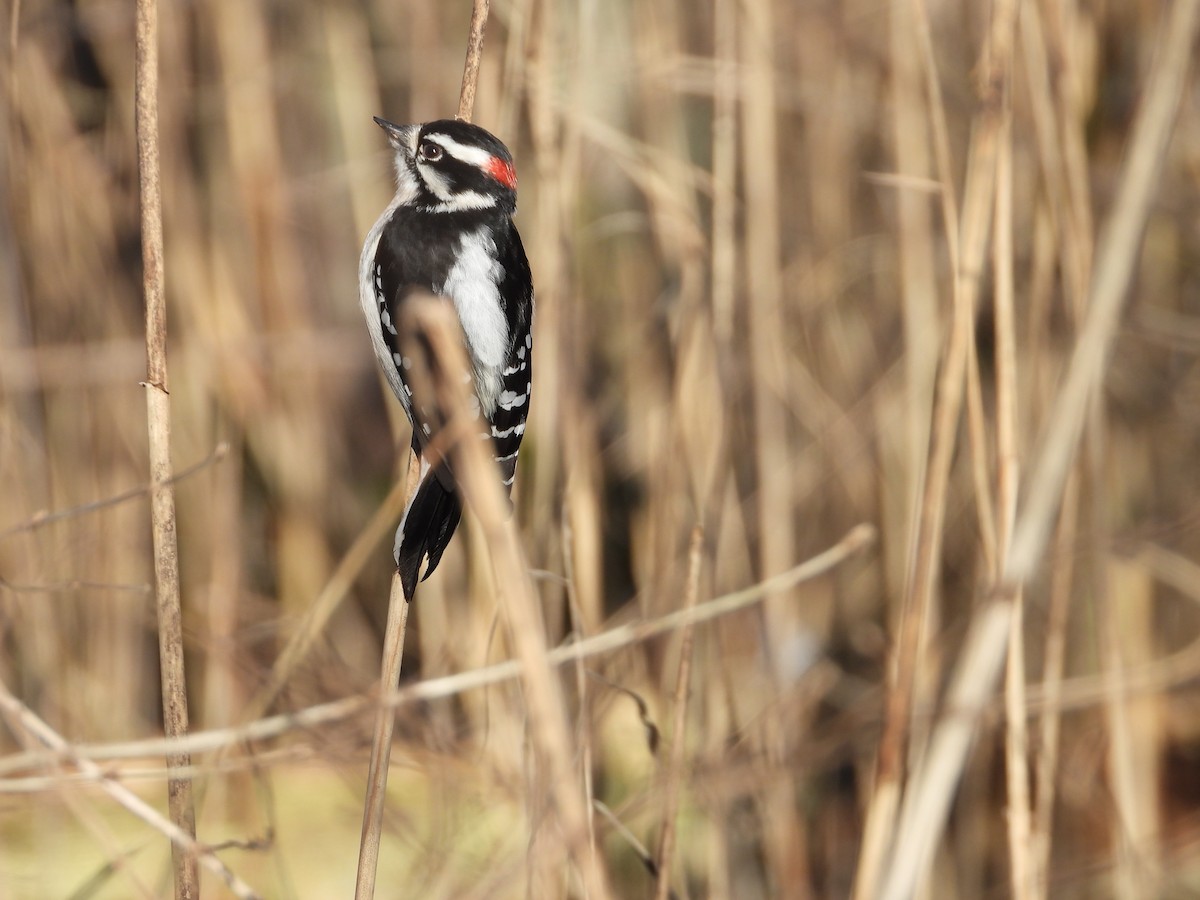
(507, 420)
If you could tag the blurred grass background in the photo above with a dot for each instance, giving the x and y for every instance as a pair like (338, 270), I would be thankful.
(733, 215)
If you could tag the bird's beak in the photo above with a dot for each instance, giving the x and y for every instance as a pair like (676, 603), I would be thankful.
(399, 136)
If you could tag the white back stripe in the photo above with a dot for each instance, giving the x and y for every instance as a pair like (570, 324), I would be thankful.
(472, 284)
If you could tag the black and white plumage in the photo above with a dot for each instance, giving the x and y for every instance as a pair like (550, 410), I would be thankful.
(449, 230)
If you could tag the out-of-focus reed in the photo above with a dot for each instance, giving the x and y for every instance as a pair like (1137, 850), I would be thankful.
(744, 221)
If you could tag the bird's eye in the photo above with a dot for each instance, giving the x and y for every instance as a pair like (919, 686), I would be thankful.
(430, 152)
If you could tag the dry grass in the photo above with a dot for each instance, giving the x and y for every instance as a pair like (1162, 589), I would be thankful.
(799, 267)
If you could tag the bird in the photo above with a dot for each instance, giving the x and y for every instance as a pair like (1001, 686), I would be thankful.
(449, 230)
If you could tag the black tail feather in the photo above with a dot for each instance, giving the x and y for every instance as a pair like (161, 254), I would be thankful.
(425, 531)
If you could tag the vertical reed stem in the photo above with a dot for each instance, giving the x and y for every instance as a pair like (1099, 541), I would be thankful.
(466, 97)
(397, 620)
(158, 411)
(389, 679)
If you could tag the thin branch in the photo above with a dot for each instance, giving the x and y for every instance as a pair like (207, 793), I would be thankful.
(393, 656)
(1054, 655)
(22, 719)
(393, 643)
(666, 844)
(317, 616)
(639, 849)
(1023, 861)
(158, 411)
(74, 584)
(927, 802)
(470, 80)
(441, 368)
(40, 520)
(854, 542)
(965, 243)
(1118, 251)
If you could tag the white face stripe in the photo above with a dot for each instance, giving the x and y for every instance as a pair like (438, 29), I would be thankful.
(463, 201)
(474, 156)
(438, 184)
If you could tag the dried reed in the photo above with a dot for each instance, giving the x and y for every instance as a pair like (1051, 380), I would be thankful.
(398, 603)
(158, 413)
(799, 267)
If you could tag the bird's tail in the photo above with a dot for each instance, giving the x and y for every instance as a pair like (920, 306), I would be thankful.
(425, 530)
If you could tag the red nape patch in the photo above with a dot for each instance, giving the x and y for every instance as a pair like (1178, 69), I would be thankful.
(503, 172)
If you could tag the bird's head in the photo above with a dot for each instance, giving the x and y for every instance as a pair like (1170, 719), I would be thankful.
(451, 166)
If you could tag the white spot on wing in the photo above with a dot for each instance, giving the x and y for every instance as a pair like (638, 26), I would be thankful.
(511, 399)
(518, 430)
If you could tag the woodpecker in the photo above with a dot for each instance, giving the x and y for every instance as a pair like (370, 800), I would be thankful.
(449, 230)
